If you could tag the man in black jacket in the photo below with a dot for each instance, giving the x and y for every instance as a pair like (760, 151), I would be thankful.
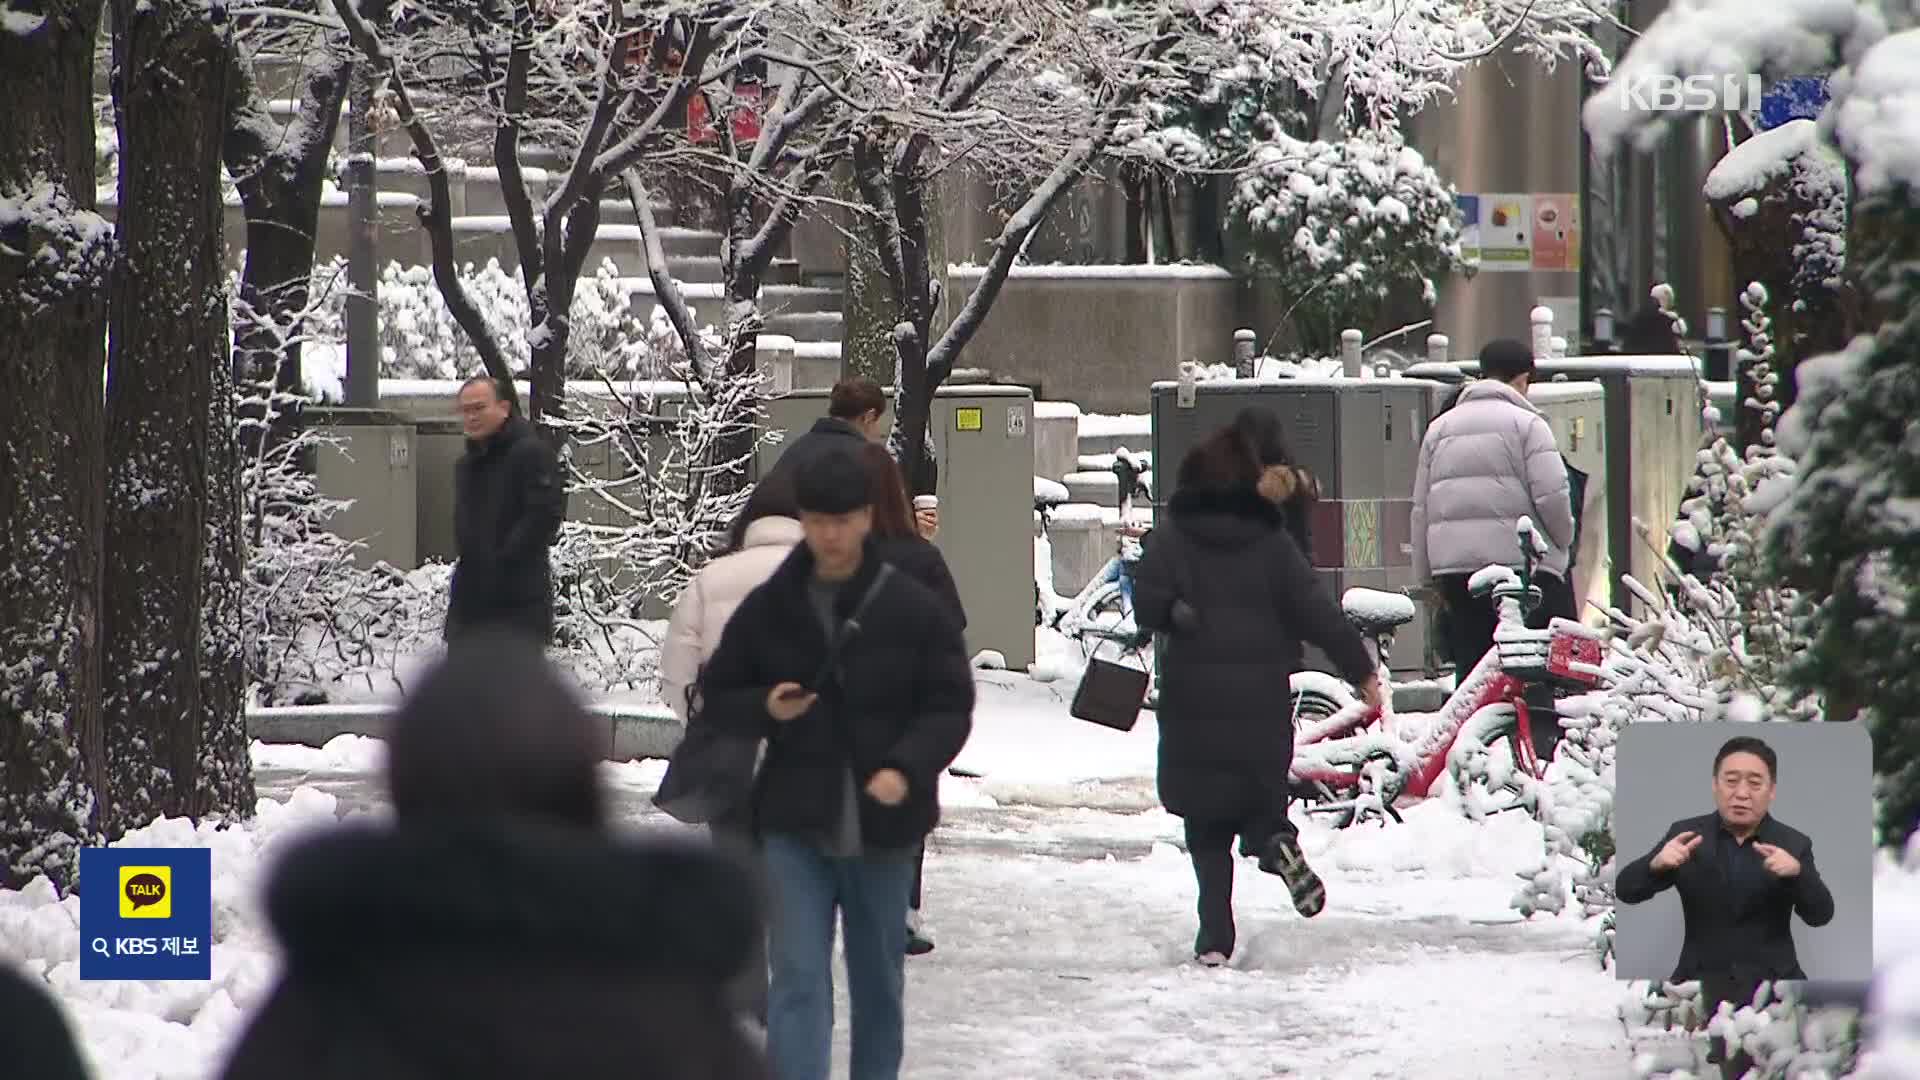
(860, 683)
(1741, 874)
(508, 503)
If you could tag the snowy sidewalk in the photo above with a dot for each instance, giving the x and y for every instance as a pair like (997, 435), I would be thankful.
(1064, 916)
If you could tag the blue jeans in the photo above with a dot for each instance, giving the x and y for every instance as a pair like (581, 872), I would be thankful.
(870, 894)
(1118, 569)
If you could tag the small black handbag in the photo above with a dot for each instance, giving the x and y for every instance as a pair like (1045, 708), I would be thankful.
(1110, 695)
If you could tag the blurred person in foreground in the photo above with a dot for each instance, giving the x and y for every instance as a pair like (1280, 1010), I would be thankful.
(900, 537)
(499, 927)
(35, 1039)
(1225, 586)
(764, 536)
(860, 683)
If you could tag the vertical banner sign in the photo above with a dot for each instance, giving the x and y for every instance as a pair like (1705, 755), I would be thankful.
(1506, 232)
(146, 913)
(1469, 208)
(1556, 244)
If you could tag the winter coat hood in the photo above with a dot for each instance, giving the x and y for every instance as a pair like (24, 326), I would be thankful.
(1225, 519)
(497, 951)
(780, 532)
(360, 899)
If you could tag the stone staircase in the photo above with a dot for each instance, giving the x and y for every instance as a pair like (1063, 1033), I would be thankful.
(809, 314)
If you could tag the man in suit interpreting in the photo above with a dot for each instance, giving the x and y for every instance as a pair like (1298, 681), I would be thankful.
(1742, 874)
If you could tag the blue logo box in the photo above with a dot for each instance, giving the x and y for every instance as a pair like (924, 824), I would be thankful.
(146, 913)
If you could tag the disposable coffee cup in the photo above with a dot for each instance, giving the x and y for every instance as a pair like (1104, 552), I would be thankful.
(926, 502)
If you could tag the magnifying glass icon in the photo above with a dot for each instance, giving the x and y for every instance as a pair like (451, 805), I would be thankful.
(100, 946)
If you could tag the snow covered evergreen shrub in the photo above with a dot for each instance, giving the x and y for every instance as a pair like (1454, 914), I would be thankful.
(1343, 225)
(1848, 531)
(419, 338)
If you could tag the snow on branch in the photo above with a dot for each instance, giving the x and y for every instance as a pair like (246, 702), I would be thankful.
(1718, 39)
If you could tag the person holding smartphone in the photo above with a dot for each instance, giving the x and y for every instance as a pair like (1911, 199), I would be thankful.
(860, 683)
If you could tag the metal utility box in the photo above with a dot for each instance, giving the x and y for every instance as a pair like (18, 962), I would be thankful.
(437, 447)
(1361, 439)
(1655, 423)
(1577, 413)
(368, 458)
(984, 439)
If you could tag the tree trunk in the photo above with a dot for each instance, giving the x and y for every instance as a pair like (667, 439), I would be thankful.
(868, 309)
(280, 185)
(1133, 181)
(55, 256)
(169, 332)
(223, 781)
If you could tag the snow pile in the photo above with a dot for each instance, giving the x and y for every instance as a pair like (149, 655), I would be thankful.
(168, 1030)
(1794, 165)
(1892, 1049)
(1877, 115)
(1720, 38)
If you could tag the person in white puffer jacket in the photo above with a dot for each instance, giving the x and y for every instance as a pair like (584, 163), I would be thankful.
(1485, 463)
(761, 539)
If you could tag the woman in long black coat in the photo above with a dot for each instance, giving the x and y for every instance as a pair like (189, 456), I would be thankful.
(1224, 584)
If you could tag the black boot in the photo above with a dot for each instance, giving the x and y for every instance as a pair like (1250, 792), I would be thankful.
(1284, 859)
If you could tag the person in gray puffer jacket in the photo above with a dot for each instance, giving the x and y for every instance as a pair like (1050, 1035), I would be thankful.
(1485, 463)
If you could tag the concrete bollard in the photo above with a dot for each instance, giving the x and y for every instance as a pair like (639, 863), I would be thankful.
(1557, 347)
(1436, 348)
(1245, 363)
(1542, 332)
(1350, 341)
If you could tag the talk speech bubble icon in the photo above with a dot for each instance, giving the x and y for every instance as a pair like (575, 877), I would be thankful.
(145, 887)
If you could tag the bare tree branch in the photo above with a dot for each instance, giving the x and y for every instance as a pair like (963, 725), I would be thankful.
(437, 217)
(666, 291)
(506, 149)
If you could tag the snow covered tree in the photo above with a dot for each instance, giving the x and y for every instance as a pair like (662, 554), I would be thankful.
(169, 473)
(56, 255)
(1780, 198)
(1843, 533)
(1343, 227)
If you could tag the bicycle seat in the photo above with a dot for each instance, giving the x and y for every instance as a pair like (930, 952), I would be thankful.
(1047, 494)
(1373, 612)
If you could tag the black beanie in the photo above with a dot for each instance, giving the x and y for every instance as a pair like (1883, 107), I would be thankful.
(834, 482)
(1505, 359)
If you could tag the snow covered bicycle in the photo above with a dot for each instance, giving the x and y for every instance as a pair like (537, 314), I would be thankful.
(1357, 763)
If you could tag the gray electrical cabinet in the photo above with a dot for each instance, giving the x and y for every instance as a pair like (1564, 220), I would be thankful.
(367, 459)
(1361, 439)
(983, 436)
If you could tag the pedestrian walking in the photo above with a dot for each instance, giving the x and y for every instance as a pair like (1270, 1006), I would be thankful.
(860, 683)
(1225, 587)
(1485, 463)
(900, 538)
(508, 503)
(767, 532)
(498, 927)
(855, 407)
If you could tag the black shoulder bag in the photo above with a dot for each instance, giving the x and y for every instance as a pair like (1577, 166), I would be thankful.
(711, 774)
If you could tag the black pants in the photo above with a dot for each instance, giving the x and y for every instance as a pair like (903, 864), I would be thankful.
(1210, 846)
(919, 870)
(1469, 627)
(746, 992)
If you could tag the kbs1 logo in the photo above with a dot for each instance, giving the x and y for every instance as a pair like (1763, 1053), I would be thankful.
(146, 913)
(1694, 93)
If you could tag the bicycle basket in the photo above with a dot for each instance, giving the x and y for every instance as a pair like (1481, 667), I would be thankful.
(1574, 656)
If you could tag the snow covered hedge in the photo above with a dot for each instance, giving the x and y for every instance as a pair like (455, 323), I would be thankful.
(1343, 226)
(419, 338)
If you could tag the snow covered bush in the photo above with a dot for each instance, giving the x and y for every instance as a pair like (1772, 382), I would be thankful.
(420, 339)
(1343, 225)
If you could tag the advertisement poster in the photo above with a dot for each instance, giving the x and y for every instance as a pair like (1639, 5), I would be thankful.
(1556, 238)
(1506, 232)
(1469, 209)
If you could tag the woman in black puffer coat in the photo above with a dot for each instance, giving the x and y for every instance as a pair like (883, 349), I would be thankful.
(1224, 584)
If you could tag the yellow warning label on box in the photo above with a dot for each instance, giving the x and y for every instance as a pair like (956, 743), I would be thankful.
(968, 419)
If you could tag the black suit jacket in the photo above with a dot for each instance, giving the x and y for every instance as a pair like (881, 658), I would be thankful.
(1722, 938)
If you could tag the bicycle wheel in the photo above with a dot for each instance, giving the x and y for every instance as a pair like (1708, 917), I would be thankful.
(1312, 704)
(1106, 617)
